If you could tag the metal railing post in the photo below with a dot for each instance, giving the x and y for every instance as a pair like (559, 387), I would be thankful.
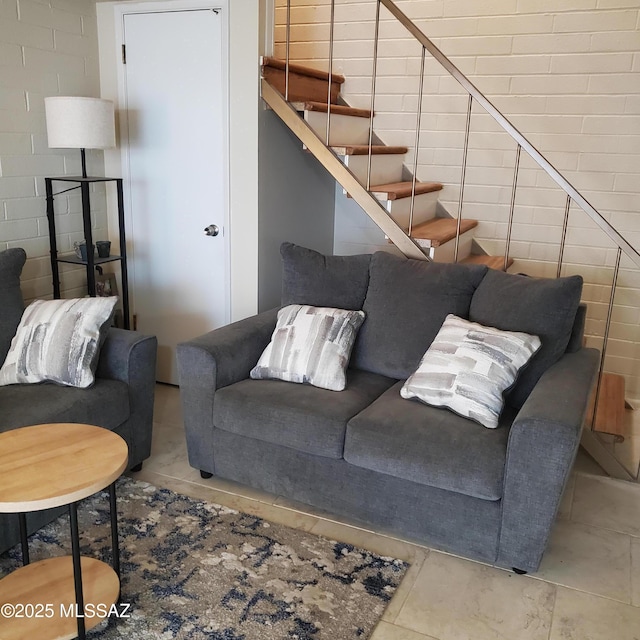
(463, 174)
(287, 52)
(417, 144)
(563, 239)
(512, 205)
(605, 339)
(373, 89)
(331, 29)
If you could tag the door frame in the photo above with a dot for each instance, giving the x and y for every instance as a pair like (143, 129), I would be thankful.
(168, 6)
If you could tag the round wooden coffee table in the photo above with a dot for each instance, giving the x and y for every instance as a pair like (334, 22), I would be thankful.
(51, 465)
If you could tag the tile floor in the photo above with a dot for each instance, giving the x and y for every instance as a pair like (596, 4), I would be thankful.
(588, 587)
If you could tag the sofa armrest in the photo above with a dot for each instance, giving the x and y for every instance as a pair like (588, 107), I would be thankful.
(542, 445)
(130, 356)
(125, 354)
(212, 361)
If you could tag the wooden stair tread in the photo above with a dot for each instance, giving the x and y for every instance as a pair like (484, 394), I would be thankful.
(441, 230)
(337, 109)
(493, 262)
(300, 69)
(395, 190)
(611, 406)
(363, 150)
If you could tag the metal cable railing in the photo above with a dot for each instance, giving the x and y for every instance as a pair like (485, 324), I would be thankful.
(506, 125)
(475, 96)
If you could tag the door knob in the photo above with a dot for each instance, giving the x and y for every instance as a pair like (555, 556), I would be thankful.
(211, 230)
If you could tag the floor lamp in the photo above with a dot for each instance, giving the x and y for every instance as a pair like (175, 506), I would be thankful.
(80, 123)
(83, 123)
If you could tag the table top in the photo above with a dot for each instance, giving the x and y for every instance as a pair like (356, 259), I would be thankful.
(49, 465)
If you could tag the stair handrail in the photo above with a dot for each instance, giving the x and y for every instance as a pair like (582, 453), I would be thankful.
(507, 126)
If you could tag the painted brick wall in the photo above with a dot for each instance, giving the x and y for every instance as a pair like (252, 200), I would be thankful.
(47, 48)
(567, 74)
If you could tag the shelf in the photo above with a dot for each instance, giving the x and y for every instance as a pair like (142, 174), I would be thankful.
(72, 258)
(50, 582)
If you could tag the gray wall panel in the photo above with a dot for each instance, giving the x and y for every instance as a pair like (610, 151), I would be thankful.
(296, 200)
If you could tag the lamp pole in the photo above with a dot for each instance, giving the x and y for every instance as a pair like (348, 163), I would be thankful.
(83, 157)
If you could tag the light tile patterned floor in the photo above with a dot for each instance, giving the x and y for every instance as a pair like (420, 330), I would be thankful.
(588, 586)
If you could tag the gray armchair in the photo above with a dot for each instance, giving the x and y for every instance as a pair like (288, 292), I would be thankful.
(120, 400)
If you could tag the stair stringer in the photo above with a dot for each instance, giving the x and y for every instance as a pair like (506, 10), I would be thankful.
(340, 172)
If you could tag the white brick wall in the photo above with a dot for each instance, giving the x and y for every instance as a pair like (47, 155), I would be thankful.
(567, 74)
(47, 47)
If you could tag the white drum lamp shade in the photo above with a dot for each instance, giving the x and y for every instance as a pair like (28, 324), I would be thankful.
(79, 123)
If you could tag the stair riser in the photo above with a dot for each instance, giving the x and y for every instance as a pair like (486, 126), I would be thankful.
(344, 129)
(301, 88)
(384, 168)
(445, 252)
(424, 209)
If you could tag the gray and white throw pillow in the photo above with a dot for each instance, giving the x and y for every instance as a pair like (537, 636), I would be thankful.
(468, 367)
(58, 341)
(310, 345)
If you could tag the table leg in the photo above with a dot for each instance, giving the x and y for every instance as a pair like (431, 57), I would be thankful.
(22, 518)
(77, 569)
(115, 545)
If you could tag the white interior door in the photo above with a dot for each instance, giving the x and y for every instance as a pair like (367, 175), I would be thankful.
(177, 174)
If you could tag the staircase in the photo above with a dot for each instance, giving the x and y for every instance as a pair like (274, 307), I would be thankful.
(411, 205)
(408, 211)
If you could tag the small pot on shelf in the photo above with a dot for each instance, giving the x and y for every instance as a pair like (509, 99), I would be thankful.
(104, 248)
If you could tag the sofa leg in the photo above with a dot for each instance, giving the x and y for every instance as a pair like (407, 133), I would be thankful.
(520, 572)
(138, 467)
(205, 474)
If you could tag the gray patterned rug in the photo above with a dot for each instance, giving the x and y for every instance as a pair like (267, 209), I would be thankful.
(194, 570)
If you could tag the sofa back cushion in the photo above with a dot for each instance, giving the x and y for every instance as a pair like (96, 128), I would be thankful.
(541, 306)
(406, 304)
(310, 278)
(11, 303)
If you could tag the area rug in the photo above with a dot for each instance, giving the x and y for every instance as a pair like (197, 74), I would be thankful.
(194, 570)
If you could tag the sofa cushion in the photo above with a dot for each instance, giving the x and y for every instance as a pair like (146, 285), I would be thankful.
(541, 306)
(106, 404)
(430, 446)
(406, 304)
(297, 416)
(468, 367)
(308, 277)
(11, 304)
(310, 345)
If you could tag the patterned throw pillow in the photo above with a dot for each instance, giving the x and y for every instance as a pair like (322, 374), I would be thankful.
(58, 341)
(468, 367)
(311, 345)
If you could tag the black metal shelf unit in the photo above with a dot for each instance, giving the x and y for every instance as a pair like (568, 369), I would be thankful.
(91, 262)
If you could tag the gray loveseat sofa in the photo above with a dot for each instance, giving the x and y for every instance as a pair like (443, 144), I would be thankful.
(365, 452)
(120, 400)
